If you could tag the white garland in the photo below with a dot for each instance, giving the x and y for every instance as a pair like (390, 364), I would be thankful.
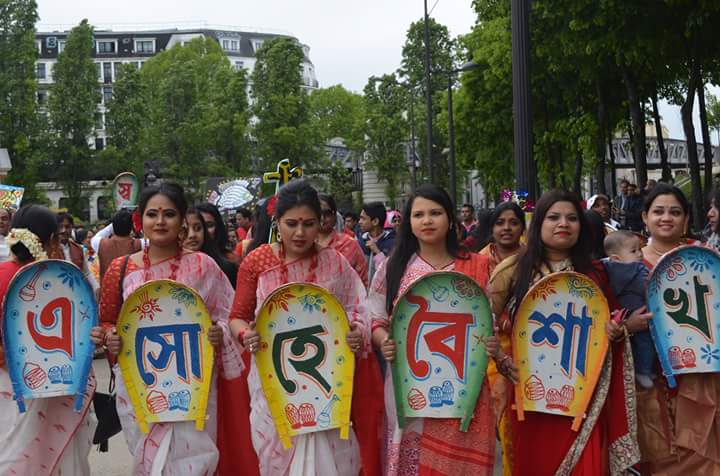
(29, 239)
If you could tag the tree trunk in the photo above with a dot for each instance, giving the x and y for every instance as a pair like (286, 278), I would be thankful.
(707, 145)
(664, 165)
(613, 170)
(577, 176)
(600, 138)
(689, 129)
(638, 124)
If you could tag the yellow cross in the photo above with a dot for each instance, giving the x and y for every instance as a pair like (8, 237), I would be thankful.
(283, 174)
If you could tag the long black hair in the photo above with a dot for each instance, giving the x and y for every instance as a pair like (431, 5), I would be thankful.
(482, 233)
(406, 243)
(535, 255)
(221, 237)
(716, 201)
(209, 247)
(597, 231)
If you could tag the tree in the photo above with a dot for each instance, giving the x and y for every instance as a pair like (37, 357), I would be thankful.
(337, 112)
(195, 113)
(386, 132)
(19, 126)
(72, 107)
(443, 53)
(281, 107)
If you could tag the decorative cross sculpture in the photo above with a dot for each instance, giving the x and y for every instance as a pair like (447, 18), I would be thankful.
(283, 174)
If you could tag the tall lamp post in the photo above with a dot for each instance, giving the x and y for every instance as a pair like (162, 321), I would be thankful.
(451, 126)
(522, 115)
(428, 100)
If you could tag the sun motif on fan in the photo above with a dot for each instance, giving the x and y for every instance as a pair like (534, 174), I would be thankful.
(147, 307)
(280, 300)
(543, 289)
(579, 288)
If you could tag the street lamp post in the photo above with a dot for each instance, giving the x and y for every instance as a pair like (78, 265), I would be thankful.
(451, 125)
(522, 118)
(428, 100)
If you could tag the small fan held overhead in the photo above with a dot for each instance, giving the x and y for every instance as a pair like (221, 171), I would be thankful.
(235, 194)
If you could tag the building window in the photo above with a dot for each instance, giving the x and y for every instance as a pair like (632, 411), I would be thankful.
(99, 143)
(61, 46)
(107, 72)
(107, 95)
(257, 44)
(145, 46)
(98, 68)
(38, 45)
(40, 71)
(41, 98)
(230, 45)
(99, 121)
(116, 70)
(238, 65)
(105, 47)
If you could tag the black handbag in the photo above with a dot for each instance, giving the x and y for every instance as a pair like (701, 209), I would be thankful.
(104, 403)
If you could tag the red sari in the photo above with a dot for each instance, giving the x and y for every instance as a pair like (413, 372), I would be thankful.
(545, 444)
(350, 249)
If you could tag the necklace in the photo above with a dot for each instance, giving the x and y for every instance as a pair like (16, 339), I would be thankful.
(174, 265)
(657, 252)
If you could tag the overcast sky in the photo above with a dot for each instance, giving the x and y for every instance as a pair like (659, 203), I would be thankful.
(350, 40)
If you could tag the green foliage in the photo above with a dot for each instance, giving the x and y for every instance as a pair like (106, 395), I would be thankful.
(72, 107)
(337, 112)
(19, 125)
(188, 109)
(386, 131)
(339, 184)
(281, 107)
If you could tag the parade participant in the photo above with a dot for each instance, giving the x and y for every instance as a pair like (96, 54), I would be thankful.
(120, 243)
(296, 258)
(601, 204)
(198, 239)
(347, 246)
(178, 447)
(713, 217)
(261, 228)
(69, 250)
(352, 228)
(217, 230)
(243, 221)
(678, 429)
(545, 444)
(26, 438)
(376, 242)
(508, 226)
(426, 243)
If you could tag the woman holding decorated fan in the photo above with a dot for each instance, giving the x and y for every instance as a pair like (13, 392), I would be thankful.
(47, 422)
(297, 259)
(545, 444)
(428, 243)
(178, 447)
(678, 429)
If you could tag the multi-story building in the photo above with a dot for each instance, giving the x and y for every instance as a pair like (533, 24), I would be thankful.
(113, 48)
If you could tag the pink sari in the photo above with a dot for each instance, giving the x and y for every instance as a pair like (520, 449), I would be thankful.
(321, 453)
(175, 448)
(432, 446)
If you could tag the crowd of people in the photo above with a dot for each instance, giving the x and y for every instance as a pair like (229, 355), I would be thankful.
(367, 261)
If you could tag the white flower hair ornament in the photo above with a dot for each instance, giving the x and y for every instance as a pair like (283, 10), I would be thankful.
(29, 239)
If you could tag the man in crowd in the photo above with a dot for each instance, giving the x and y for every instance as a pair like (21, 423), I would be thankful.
(634, 209)
(351, 225)
(376, 242)
(601, 204)
(4, 230)
(120, 243)
(620, 202)
(243, 221)
(468, 220)
(67, 249)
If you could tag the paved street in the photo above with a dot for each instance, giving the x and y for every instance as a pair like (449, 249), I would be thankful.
(117, 461)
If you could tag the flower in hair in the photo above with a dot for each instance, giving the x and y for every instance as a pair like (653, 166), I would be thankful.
(271, 206)
(29, 239)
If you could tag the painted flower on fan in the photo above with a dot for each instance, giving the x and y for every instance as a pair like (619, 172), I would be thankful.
(69, 278)
(147, 307)
(699, 261)
(466, 288)
(543, 290)
(707, 353)
(312, 302)
(280, 300)
(580, 289)
(183, 295)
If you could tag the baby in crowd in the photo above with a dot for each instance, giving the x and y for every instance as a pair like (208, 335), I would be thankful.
(628, 276)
